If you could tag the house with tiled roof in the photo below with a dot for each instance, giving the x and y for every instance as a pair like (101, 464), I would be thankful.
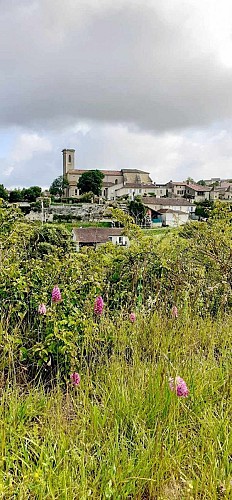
(95, 236)
(168, 211)
(194, 192)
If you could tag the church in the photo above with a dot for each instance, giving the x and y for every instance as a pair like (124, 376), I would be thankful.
(116, 183)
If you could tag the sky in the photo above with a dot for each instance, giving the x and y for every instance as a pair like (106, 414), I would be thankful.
(143, 84)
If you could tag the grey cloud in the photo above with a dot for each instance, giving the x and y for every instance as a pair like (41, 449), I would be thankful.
(132, 63)
(199, 154)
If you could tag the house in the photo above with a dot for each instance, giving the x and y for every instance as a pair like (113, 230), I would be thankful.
(188, 190)
(168, 211)
(197, 192)
(221, 192)
(95, 236)
(116, 183)
(169, 217)
(180, 204)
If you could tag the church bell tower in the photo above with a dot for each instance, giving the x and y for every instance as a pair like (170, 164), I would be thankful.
(68, 160)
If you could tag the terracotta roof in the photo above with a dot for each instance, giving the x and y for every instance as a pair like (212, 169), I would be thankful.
(198, 187)
(79, 171)
(175, 202)
(96, 234)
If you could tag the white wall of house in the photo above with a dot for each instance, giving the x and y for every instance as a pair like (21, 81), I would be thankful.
(133, 191)
(174, 220)
(120, 240)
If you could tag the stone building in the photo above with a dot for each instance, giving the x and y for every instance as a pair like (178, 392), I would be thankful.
(116, 183)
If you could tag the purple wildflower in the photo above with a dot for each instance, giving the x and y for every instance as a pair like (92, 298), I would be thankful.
(174, 312)
(42, 309)
(132, 317)
(98, 305)
(75, 378)
(179, 386)
(56, 295)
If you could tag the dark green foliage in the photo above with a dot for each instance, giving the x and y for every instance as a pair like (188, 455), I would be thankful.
(30, 194)
(58, 186)
(15, 196)
(137, 210)
(91, 180)
(26, 194)
(204, 208)
(3, 193)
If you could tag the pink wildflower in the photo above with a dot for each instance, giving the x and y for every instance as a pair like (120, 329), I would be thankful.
(42, 309)
(132, 317)
(75, 378)
(56, 295)
(174, 312)
(179, 386)
(98, 305)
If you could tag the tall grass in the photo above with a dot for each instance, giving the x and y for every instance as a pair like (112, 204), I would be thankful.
(122, 434)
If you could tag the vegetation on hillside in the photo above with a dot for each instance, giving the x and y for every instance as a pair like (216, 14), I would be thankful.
(121, 432)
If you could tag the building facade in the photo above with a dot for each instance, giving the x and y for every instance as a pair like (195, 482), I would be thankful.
(116, 183)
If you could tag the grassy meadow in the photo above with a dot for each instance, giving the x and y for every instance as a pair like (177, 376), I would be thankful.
(122, 434)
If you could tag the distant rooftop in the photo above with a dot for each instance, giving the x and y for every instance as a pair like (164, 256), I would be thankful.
(96, 234)
(175, 202)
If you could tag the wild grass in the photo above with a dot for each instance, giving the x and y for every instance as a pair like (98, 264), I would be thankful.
(122, 434)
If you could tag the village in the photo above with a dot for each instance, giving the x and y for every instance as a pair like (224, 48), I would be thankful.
(151, 205)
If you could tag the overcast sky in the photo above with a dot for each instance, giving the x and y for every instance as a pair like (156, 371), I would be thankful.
(128, 84)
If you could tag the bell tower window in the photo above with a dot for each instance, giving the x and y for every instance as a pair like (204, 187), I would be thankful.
(69, 159)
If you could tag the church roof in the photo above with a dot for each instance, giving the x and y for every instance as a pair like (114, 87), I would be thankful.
(134, 171)
(78, 171)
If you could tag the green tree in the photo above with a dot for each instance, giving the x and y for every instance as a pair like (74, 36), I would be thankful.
(30, 194)
(190, 180)
(204, 208)
(91, 180)
(15, 195)
(137, 210)
(201, 182)
(58, 186)
(3, 192)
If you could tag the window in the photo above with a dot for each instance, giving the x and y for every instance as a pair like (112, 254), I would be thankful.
(110, 238)
(120, 240)
(116, 181)
(76, 192)
(69, 159)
